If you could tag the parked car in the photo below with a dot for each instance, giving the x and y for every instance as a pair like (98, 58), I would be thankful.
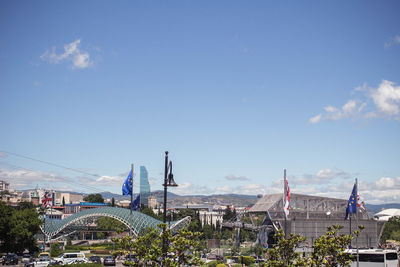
(43, 254)
(213, 257)
(69, 258)
(26, 258)
(10, 259)
(109, 261)
(42, 261)
(95, 259)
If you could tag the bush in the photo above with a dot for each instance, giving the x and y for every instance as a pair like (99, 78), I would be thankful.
(214, 263)
(100, 251)
(221, 265)
(247, 260)
(55, 250)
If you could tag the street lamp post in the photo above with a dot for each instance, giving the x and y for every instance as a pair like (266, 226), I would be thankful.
(168, 181)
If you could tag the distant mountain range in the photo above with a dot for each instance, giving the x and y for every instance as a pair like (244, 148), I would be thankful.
(176, 200)
(371, 208)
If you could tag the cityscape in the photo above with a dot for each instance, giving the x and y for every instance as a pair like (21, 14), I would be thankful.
(199, 133)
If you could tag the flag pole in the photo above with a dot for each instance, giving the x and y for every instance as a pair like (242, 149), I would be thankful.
(358, 259)
(51, 220)
(285, 199)
(130, 206)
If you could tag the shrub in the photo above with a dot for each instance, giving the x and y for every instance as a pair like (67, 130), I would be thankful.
(213, 263)
(100, 251)
(55, 250)
(221, 265)
(247, 260)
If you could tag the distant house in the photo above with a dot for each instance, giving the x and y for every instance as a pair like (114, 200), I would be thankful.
(4, 186)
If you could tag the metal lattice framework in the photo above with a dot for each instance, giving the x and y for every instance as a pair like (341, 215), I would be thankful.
(140, 221)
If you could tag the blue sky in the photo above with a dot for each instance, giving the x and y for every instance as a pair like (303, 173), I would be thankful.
(235, 90)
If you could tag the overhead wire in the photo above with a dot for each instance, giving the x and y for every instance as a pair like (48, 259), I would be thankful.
(66, 180)
(56, 165)
(50, 163)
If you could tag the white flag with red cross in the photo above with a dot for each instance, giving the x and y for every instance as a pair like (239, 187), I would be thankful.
(47, 199)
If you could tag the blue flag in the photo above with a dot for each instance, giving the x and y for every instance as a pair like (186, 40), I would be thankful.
(136, 203)
(352, 204)
(128, 184)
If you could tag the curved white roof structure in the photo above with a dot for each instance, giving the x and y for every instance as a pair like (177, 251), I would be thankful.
(386, 214)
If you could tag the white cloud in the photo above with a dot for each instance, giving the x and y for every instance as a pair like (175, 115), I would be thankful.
(393, 41)
(324, 176)
(315, 119)
(387, 183)
(80, 59)
(187, 188)
(3, 155)
(384, 102)
(387, 98)
(110, 180)
(232, 177)
(247, 189)
(24, 178)
(382, 190)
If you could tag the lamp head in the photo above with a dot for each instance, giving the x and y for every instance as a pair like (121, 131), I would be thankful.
(171, 181)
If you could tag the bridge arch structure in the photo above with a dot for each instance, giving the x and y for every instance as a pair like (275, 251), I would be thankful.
(79, 220)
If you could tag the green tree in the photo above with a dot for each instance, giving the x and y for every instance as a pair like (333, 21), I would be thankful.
(283, 253)
(94, 198)
(182, 247)
(228, 214)
(258, 250)
(113, 202)
(391, 229)
(5, 227)
(208, 231)
(17, 229)
(328, 249)
(63, 201)
(150, 212)
(25, 205)
(110, 224)
(55, 250)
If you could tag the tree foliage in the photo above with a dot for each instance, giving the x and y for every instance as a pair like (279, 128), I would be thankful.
(110, 224)
(283, 253)
(182, 248)
(328, 249)
(391, 229)
(229, 214)
(94, 198)
(17, 228)
(55, 250)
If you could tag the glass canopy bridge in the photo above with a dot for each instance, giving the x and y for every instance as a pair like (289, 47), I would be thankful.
(79, 221)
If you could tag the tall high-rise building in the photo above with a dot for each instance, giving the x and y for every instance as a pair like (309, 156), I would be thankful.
(144, 186)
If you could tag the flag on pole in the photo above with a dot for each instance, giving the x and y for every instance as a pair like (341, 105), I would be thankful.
(47, 200)
(287, 199)
(360, 203)
(136, 203)
(128, 184)
(352, 203)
